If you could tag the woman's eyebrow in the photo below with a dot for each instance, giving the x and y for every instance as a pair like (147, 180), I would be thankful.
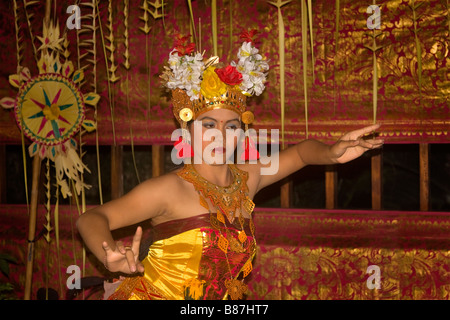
(209, 118)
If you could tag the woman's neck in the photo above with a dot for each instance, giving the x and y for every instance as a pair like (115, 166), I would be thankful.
(220, 175)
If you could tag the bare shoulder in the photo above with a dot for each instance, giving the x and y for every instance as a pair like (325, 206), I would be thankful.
(150, 199)
(163, 184)
(180, 197)
(155, 194)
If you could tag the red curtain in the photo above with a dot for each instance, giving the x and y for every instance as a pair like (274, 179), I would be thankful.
(412, 62)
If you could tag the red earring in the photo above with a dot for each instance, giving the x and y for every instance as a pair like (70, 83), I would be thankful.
(250, 151)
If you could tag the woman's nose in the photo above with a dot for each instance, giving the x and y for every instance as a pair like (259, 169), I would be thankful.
(218, 136)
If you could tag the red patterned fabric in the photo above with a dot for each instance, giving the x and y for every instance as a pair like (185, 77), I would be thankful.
(164, 259)
(412, 61)
(301, 254)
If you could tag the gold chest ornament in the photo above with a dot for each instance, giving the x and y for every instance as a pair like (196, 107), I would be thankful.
(228, 201)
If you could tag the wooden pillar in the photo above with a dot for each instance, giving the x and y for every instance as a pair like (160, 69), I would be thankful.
(116, 171)
(377, 162)
(331, 180)
(34, 197)
(286, 194)
(424, 149)
(32, 226)
(157, 160)
(286, 189)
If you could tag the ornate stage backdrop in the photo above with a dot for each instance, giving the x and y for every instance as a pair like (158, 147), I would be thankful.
(328, 64)
(302, 254)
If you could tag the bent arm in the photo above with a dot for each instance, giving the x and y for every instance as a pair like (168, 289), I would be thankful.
(93, 227)
(144, 202)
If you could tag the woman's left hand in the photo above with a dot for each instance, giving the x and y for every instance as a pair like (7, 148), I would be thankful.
(352, 144)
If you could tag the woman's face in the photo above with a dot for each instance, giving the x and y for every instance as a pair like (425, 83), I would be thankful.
(219, 130)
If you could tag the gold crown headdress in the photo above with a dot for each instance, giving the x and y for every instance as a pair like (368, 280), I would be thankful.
(199, 86)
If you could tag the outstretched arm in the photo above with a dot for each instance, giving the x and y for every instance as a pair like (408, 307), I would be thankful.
(312, 152)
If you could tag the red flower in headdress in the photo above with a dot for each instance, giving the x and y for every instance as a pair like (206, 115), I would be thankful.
(229, 75)
(247, 36)
(182, 45)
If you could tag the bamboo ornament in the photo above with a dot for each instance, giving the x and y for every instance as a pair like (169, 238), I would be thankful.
(11, 102)
(214, 25)
(191, 13)
(90, 56)
(311, 37)
(336, 50)
(281, 50)
(111, 106)
(157, 5)
(305, 62)
(127, 66)
(416, 18)
(50, 110)
(92, 42)
(111, 47)
(113, 67)
(34, 197)
(374, 48)
(27, 4)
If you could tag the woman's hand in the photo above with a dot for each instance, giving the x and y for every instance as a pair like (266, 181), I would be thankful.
(123, 258)
(352, 144)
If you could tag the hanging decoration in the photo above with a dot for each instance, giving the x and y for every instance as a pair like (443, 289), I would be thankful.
(127, 65)
(111, 69)
(87, 59)
(311, 37)
(305, 62)
(281, 51)
(413, 6)
(157, 5)
(50, 109)
(374, 48)
(214, 25)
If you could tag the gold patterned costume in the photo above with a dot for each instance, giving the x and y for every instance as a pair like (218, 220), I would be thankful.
(199, 257)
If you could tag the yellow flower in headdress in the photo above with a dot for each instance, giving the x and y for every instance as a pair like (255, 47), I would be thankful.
(211, 85)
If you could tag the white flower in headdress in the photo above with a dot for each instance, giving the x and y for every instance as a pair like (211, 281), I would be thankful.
(247, 50)
(253, 68)
(186, 73)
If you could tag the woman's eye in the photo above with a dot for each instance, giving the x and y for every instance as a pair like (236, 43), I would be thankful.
(234, 126)
(208, 125)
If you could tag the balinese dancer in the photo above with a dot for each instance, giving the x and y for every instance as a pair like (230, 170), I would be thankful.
(201, 214)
